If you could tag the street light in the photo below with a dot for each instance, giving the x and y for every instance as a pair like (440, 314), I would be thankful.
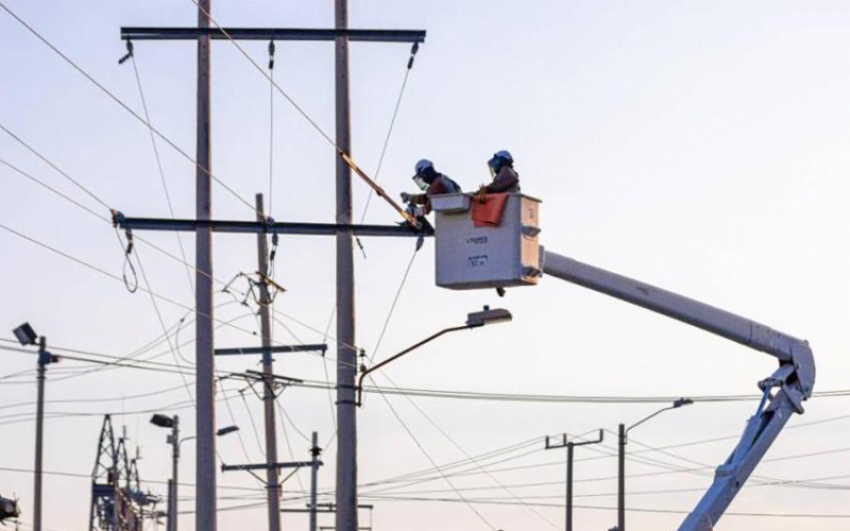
(173, 423)
(623, 439)
(473, 320)
(27, 336)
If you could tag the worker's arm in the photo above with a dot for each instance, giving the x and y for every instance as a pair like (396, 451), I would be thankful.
(793, 381)
(416, 199)
(505, 181)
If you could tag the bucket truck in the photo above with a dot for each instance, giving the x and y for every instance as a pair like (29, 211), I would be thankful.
(509, 255)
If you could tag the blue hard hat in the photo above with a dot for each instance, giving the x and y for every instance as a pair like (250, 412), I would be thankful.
(423, 165)
(504, 154)
(500, 158)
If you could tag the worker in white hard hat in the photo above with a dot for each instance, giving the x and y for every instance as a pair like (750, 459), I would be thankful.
(432, 183)
(505, 178)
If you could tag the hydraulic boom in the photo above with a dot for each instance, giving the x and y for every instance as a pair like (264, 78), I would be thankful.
(784, 391)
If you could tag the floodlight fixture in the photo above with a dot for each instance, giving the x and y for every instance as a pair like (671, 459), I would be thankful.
(163, 421)
(25, 334)
(225, 430)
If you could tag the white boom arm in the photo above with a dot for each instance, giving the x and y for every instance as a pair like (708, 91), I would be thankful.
(794, 379)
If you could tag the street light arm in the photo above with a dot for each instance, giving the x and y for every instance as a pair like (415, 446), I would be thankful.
(374, 368)
(638, 423)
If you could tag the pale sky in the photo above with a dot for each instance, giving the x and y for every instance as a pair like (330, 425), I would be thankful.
(698, 146)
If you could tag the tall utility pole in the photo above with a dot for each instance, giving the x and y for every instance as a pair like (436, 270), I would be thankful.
(570, 445)
(621, 478)
(346, 466)
(342, 229)
(272, 478)
(205, 472)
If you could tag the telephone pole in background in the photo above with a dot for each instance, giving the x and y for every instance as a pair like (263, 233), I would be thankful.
(205, 472)
(272, 476)
(570, 446)
(346, 466)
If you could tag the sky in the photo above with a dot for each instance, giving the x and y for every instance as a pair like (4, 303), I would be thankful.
(698, 146)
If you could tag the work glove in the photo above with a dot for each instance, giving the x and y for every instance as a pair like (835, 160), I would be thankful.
(405, 197)
(481, 194)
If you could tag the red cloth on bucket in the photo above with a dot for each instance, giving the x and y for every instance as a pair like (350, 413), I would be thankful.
(488, 213)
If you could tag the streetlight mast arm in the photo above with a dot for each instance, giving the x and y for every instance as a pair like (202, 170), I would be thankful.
(638, 423)
(794, 378)
(374, 368)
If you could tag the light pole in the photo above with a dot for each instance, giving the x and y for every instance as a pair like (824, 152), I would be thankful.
(173, 423)
(27, 336)
(623, 439)
(473, 320)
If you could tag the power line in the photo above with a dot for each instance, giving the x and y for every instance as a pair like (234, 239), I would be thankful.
(433, 463)
(595, 507)
(160, 169)
(123, 105)
(466, 454)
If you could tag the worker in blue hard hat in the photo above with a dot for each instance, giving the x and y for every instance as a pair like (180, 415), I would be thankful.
(432, 183)
(505, 178)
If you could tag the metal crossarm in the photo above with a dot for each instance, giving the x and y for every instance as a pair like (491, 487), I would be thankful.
(248, 227)
(271, 34)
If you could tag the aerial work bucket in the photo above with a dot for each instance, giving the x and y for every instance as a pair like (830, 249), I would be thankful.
(491, 245)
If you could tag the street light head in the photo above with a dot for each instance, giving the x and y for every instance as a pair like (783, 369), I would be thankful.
(488, 316)
(682, 402)
(226, 430)
(25, 334)
(163, 421)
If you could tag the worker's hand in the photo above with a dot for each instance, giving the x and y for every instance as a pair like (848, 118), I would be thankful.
(405, 197)
(481, 194)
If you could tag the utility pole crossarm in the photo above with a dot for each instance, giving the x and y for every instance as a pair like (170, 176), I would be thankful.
(321, 347)
(564, 442)
(272, 227)
(266, 466)
(272, 34)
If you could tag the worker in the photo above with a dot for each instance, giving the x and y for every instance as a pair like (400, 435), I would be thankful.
(505, 178)
(432, 183)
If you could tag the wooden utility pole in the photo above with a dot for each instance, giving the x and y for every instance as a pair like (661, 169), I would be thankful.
(205, 470)
(272, 476)
(346, 466)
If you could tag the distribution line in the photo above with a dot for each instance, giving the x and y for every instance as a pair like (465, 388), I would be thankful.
(466, 454)
(85, 208)
(434, 463)
(297, 471)
(159, 167)
(164, 328)
(393, 305)
(233, 420)
(253, 423)
(123, 105)
(115, 277)
(346, 157)
(389, 132)
(87, 477)
(628, 509)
